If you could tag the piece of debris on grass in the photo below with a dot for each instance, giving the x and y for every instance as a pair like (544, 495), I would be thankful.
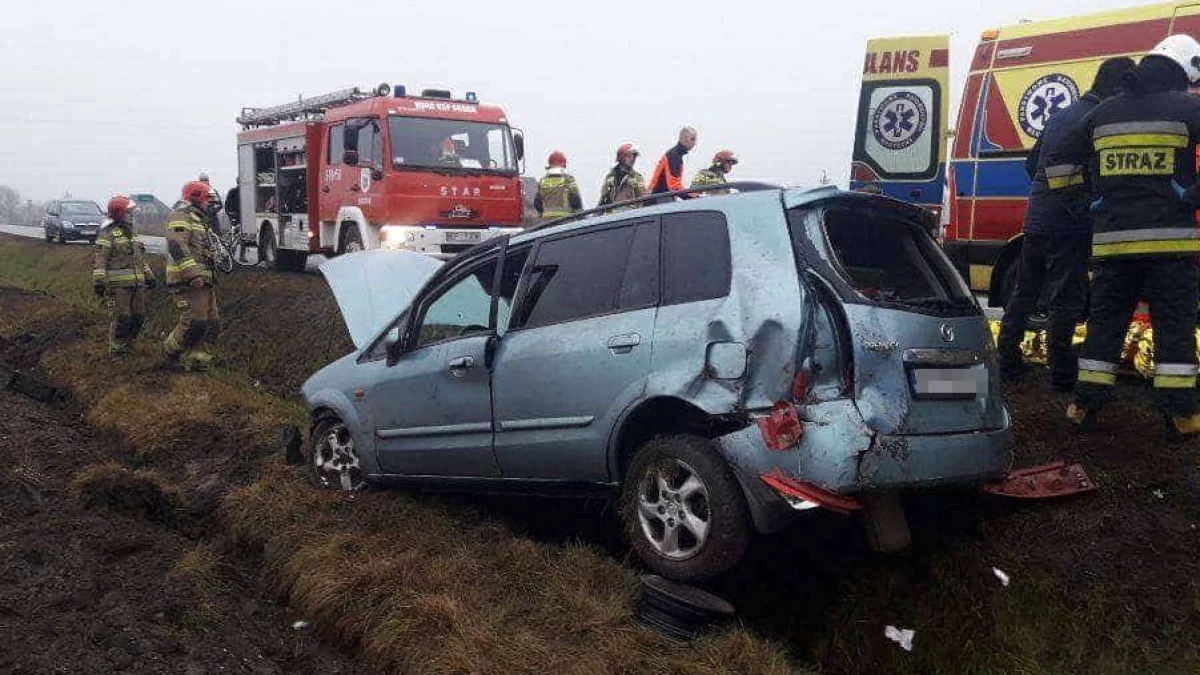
(1159, 494)
(901, 636)
(300, 625)
(1002, 576)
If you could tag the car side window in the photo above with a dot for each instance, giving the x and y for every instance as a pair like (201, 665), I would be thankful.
(510, 277)
(590, 274)
(460, 309)
(695, 257)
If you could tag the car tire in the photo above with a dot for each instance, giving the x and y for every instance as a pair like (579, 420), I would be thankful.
(332, 459)
(351, 240)
(62, 237)
(48, 235)
(683, 510)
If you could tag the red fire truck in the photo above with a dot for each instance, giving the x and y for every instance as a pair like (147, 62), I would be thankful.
(351, 169)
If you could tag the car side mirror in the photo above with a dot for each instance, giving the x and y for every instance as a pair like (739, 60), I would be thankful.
(519, 145)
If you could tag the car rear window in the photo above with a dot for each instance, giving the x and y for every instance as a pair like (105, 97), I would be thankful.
(695, 257)
(889, 260)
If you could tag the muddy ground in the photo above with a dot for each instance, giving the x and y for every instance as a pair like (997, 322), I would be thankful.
(1100, 583)
(113, 576)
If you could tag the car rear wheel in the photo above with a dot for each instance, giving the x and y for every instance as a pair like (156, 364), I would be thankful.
(266, 246)
(332, 459)
(683, 510)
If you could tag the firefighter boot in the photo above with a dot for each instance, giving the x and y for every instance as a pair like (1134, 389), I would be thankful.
(1179, 428)
(197, 361)
(1081, 418)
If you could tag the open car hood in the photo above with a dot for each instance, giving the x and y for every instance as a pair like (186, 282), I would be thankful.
(373, 287)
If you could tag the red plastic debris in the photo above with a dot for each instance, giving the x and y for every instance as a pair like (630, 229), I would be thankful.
(781, 429)
(798, 489)
(1043, 482)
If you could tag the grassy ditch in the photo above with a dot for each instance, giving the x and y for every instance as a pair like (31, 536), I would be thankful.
(418, 585)
(1104, 583)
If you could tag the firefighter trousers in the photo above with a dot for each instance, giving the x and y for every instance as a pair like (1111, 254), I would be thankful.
(126, 315)
(198, 323)
(1054, 267)
(1171, 288)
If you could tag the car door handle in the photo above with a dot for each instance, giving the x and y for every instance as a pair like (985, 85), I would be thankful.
(458, 367)
(623, 344)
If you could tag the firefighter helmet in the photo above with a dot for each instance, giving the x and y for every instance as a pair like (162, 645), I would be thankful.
(556, 158)
(119, 207)
(196, 193)
(1183, 50)
(725, 156)
(627, 149)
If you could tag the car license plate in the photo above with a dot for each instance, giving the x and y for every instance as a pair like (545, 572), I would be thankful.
(464, 237)
(949, 383)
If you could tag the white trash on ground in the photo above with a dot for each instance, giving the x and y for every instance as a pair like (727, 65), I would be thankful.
(1004, 578)
(901, 636)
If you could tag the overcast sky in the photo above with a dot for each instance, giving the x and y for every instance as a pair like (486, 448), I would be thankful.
(105, 97)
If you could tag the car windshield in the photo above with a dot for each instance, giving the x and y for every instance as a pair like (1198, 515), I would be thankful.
(892, 261)
(80, 209)
(451, 145)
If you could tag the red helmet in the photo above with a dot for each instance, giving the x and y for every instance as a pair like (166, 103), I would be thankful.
(627, 149)
(725, 156)
(119, 208)
(557, 158)
(196, 193)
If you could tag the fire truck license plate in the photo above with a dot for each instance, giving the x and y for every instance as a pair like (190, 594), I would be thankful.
(464, 236)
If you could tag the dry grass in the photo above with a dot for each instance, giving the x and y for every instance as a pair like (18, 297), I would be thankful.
(443, 591)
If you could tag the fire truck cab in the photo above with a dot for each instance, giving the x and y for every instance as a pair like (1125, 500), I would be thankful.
(1019, 77)
(352, 170)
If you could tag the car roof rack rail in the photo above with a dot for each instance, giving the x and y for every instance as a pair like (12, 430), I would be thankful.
(659, 198)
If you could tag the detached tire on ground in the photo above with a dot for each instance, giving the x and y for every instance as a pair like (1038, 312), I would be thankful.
(683, 510)
(332, 459)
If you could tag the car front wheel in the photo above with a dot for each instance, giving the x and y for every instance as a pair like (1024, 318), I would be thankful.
(683, 510)
(333, 460)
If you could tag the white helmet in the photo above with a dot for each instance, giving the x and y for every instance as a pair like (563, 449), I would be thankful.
(1183, 50)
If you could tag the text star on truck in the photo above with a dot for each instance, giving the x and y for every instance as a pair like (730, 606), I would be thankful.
(351, 170)
(1019, 77)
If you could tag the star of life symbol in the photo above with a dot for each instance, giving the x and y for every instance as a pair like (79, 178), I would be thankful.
(899, 120)
(1045, 97)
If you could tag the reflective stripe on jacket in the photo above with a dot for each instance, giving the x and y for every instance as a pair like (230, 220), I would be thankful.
(188, 252)
(1058, 195)
(621, 185)
(558, 195)
(119, 259)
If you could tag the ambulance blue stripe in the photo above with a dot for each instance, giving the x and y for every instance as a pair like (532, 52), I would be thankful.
(1001, 178)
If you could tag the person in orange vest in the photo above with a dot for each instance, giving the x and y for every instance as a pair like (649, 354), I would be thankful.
(668, 173)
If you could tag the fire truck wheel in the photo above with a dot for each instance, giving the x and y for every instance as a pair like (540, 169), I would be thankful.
(266, 246)
(351, 241)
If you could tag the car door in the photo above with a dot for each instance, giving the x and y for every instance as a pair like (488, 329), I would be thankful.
(432, 410)
(577, 352)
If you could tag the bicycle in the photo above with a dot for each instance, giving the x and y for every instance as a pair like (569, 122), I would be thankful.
(228, 247)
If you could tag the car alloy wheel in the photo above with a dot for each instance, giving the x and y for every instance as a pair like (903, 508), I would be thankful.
(673, 509)
(335, 462)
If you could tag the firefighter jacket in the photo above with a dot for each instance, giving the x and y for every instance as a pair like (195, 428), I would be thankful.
(1059, 198)
(557, 194)
(119, 260)
(710, 176)
(1143, 159)
(189, 254)
(668, 173)
(622, 184)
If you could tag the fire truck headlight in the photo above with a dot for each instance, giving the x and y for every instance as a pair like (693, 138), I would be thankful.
(398, 237)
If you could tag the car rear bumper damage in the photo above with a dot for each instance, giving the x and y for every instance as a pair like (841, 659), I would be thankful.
(838, 456)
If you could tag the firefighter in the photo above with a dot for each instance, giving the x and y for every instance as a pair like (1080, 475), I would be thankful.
(1057, 240)
(668, 173)
(623, 182)
(121, 276)
(722, 164)
(557, 193)
(1142, 173)
(190, 281)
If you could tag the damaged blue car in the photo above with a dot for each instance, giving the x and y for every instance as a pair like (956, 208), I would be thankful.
(719, 365)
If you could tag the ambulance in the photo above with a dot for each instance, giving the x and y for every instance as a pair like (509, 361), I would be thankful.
(974, 174)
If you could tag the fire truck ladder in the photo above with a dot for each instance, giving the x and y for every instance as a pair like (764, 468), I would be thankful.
(302, 109)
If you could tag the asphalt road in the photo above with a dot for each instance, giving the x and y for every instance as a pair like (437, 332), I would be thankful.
(156, 245)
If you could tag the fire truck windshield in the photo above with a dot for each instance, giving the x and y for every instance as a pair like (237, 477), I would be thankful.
(451, 145)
